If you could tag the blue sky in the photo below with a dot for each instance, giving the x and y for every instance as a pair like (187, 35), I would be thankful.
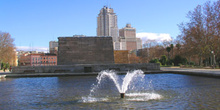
(33, 23)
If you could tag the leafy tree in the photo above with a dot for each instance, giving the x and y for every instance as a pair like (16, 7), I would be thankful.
(179, 60)
(163, 59)
(7, 48)
(171, 46)
(201, 34)
(168, 49)
(154, 61)
(178, 47)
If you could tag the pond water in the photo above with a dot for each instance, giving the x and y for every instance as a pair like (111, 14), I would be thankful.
(161, 91)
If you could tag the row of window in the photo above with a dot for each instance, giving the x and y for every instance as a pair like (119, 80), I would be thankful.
(43, 58)
(43, 62)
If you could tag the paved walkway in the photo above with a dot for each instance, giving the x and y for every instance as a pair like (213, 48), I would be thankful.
(192, 71)
(4, 73)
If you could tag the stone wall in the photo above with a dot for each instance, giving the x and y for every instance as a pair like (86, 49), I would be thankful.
(85, 50)
(86, 68)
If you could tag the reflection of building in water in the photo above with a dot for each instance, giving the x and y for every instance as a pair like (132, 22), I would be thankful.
(128, 38)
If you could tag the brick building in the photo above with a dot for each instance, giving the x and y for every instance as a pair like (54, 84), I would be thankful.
(48, 59)
(38, 60)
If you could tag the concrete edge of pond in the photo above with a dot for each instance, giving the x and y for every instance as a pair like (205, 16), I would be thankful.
(194, 73)
(215, 73)
(13, 75)
(188, 72)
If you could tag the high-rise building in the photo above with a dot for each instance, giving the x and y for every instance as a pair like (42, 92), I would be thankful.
(53, 47)
(128, 40)
(107, 25)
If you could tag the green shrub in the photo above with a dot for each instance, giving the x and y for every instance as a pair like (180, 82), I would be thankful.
(179, 60)
(163, 60)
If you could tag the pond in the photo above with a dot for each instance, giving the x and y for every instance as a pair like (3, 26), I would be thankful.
(160, 91)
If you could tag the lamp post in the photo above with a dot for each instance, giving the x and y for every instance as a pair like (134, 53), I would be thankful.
(213, 66)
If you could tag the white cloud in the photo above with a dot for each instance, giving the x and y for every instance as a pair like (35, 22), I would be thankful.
(153, 36)
(26, 48)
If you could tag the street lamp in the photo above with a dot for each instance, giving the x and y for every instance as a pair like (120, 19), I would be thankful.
(213, 66)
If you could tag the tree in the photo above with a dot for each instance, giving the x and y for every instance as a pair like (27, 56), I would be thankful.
(154, 61)
(171, 46)
(178, 47)
(179, 60)
(201, 34)
(168, 49)
(163, 59)
(133, 58)
(7, 49)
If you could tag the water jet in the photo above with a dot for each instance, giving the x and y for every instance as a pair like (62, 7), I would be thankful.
(121, 83)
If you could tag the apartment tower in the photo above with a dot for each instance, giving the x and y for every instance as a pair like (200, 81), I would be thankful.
(107, 25)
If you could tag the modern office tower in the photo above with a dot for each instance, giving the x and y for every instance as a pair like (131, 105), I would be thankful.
(107, 25)
(128, 40)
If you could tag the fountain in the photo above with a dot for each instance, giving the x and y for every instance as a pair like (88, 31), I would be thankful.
(154, 91)
(129, 82)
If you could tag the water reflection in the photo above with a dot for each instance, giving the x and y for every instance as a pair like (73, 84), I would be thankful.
(27, 91)
(2, 79)
(178, 91)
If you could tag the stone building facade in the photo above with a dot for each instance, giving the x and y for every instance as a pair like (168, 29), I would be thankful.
(128, 40)
(85, 50)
